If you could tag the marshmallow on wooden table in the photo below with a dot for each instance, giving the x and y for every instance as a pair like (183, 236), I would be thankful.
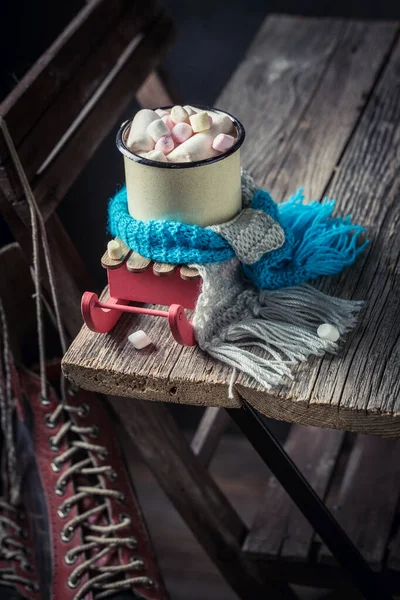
(222, 142)
(168, 121)
(181, 132)
(156, 155)
(197, 147)
(157, 129)
(165, 144)
(179, 115)
(139, 339)
(328, 332)
(200, 121)
(139, 139)
(114, 250)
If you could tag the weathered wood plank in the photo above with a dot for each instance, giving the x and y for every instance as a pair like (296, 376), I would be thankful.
(163, 269)
(49, 129)
(114, 263)
(366, 501)
(137, 263)
(209, 433)
(299, 93)
(195, 494)
(281, 92)
(189, 272)
(279, 529)
(141, 57)
(43, 82)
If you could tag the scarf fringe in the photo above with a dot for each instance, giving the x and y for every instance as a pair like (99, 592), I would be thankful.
(282, 333)
(323, 245)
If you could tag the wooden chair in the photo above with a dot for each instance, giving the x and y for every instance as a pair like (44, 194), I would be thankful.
(64, 107)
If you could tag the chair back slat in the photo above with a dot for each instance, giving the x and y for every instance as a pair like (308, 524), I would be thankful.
(54, 69)
(58, 118)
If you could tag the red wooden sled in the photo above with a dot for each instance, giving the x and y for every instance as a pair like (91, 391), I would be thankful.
(136, 279)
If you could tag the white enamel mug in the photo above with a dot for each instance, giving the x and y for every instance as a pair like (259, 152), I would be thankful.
(204, 192)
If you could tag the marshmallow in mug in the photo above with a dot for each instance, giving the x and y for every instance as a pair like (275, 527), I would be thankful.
(208, 134)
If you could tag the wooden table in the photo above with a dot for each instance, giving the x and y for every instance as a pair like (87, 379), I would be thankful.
(320, 101)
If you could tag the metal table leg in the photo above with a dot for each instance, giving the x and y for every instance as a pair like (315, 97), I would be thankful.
(249, 421)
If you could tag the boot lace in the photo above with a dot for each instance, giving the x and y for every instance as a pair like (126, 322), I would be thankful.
(106, 539)
(13, 550)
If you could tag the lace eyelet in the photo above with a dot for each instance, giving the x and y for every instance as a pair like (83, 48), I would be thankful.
(50, 424)
(84, 410)
(124, 517)
(55, 467)
(70, 560)
(95, 432)
(133, 543)
(140, 566)
(23, 534)
(150, 583)
(64, 512)
(67, 534)
(73, 583)
(53, 446)
(121, 498)
(103, 455)
(31, 587)
(44, 401)
(112, 475)
(25, 566)
(60, 489)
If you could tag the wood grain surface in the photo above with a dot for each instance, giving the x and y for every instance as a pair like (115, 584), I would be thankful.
(321, 97)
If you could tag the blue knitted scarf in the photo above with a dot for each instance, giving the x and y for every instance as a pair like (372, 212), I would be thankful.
(315, 242)
(254, 271)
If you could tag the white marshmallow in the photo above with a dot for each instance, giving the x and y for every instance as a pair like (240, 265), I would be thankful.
(161, 112)
(200, 121)
(157, 129)
(139, 139)
(328, 332)
(198, 147)
(179, 115)
(139, 339)
(168, 121)
(190, 110)
(221, 124)
(156, 155)
(114, 250)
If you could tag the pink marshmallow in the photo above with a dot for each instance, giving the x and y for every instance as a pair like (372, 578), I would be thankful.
(165, 144)
(168, 121)
(222, 142)
(181, 132)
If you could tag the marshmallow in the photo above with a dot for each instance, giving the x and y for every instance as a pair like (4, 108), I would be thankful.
(223, 142)
(139, 139)
(179, 115)
(181, 132)
(157, 129)
(328, 332)
(156, 155)
(168, 121)
(161, 112)
(200, 121)
(139, 339)
(114, 250)
(197, 147)
(165, 144)
(190, 110)
(221, 124)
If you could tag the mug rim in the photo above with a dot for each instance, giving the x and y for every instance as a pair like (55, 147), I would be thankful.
(241, 134)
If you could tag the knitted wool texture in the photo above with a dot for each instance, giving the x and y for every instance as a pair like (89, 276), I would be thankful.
(268, 247)
(290, 244)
